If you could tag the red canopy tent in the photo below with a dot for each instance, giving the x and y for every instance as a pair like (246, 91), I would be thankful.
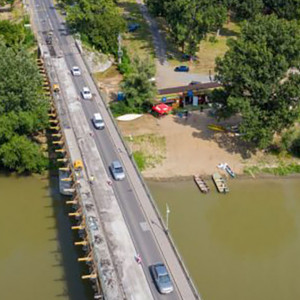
(162, 108)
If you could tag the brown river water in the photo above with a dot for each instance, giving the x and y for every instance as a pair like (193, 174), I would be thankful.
(241, 246)
(37, 256)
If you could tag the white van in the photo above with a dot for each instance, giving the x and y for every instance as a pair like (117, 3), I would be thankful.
(98, 121)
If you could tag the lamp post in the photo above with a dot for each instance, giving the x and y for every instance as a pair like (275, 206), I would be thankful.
(120, 51)
(167, 217)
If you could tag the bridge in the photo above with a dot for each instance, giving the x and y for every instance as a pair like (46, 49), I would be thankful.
(115, 220)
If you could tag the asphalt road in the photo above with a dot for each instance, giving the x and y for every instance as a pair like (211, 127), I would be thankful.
(129, 204)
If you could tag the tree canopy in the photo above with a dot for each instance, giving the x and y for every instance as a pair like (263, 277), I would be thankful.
(256, 78)
(23, 110)
(98, 21)
(191, 20)
(138, 88)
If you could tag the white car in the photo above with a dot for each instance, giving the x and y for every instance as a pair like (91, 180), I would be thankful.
(86, 93)
(76, 71)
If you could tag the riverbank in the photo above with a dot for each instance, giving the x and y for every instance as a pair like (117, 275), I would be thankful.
(189, 147)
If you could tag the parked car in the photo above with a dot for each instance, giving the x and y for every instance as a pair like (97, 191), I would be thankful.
(117, 170)
(76, 71)
(194, 82)
(161, 278)
(133, 27)
(98, 121)
(182, 69)
(49, 40)
(86, 93)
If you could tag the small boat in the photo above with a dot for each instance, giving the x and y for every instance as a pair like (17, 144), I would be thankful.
(220, 183)
(201, 184)
(229, 171)
(216, 127)
(129, 117)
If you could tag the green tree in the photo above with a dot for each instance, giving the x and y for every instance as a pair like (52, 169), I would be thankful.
(23, 111)
(98, 21)
(247, 9)
(138, 88)
(21, 154)
(5, 2)
(12, 34)
(156, 7)
(190, 20)
(288, 9)
(254, 74)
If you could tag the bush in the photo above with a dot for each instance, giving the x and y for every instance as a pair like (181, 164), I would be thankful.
(295, 147)
(120, 108)
(125, 67)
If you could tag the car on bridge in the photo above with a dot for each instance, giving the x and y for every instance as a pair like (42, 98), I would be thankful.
(98, 121)
(76, 71)
(117, 170)
(161, 278)
(182, 69)
(86, 93)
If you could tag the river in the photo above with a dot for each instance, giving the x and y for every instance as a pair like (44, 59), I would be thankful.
(241, 246)
(37, 256)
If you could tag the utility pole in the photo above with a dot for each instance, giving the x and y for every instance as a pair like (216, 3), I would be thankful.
(120, 51)
(167, 217)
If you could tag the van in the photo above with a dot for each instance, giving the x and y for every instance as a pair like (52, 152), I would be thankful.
(98, 121)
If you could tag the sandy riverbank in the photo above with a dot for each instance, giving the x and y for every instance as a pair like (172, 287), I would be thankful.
(190, 147)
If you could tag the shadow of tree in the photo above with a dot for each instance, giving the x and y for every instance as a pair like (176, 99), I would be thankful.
(227, 141)
(228, 32)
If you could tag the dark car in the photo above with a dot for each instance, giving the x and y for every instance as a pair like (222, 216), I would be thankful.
(49, 40)
(133, 27)
(194, 82)
(161, 278)
(182, 69)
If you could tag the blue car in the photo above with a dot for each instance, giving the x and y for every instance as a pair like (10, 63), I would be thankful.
(182, 69)
(133, 27)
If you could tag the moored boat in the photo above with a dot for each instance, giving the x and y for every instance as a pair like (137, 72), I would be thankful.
(229, 171)
(202, 185)
(220, 183)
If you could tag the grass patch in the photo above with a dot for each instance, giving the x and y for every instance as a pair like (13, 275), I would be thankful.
(209, 49)
(213, 47)
(140, 159)
(148, 150)
(281, 170)
(109, 73)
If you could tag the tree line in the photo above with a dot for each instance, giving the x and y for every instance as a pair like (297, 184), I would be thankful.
(23, 106)
(258, 79)
(190, 21)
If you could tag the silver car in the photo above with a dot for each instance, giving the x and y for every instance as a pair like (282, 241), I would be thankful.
(161, 278)
(117, 170)
(86, 93)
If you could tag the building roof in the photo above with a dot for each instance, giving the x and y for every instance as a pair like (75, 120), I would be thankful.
(182, 89)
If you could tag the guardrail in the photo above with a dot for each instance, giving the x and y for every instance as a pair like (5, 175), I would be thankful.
(152, 201)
